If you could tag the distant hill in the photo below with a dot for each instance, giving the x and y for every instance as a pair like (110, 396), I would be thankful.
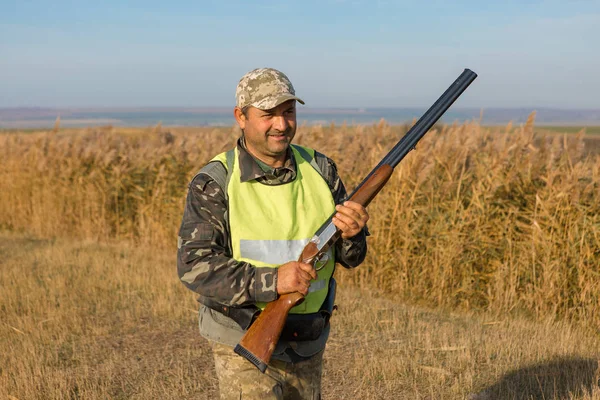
(24, 118)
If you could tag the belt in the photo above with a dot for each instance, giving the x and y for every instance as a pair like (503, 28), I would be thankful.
(298, 327)
(243, 316)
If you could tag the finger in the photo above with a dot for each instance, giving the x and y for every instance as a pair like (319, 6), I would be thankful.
(354, 214)
(305, 267)
(340, 224)
(350, 220)
(360, 216)
(347, 232)
(305, 277)
(359, 208)
(355, 206)
(304, 270)
(308, 269)
(302, 287)
(364, 214)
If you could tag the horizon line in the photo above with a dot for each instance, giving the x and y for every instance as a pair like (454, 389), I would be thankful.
(223, 108)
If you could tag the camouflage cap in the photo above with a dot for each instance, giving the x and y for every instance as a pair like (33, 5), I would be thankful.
(264, 88)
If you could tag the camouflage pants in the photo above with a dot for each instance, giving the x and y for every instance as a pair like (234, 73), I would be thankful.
(239, 379)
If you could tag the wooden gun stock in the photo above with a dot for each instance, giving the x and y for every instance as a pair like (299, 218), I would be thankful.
(259, 342)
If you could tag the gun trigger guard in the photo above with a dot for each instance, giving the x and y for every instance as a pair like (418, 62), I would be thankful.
(321, 261)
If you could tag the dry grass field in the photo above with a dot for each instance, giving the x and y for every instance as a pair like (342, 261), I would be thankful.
(481, 282)
(82, 320)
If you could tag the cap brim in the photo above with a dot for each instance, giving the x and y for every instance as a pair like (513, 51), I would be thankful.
(267, 104)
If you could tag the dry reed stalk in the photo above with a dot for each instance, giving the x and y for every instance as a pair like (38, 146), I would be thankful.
(479, 218)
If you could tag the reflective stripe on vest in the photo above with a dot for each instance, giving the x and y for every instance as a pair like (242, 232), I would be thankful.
(270, 225)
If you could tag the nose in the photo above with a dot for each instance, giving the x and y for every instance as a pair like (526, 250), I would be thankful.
(280, 123)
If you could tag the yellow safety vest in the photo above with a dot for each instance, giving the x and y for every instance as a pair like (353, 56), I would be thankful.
(270, 225)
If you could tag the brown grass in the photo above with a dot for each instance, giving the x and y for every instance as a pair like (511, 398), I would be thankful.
(500, 219)
(498, 225)
(85, 320)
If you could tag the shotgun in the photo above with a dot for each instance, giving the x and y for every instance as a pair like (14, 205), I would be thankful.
(258, 343)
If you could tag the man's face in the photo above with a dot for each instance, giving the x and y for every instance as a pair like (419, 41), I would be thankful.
(268, 133)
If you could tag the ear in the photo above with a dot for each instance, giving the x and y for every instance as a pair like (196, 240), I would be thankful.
(239, 117)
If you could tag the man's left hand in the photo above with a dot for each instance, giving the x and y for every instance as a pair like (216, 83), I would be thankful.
(350, 218)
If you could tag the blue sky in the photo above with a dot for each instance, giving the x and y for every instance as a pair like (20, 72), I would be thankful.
(337, 53)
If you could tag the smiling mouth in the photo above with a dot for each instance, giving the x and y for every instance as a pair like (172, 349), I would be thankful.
(278, 136)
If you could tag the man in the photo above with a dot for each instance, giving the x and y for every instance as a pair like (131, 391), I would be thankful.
(248, 214)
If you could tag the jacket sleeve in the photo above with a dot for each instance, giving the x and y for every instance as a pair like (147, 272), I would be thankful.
(350, 253)
(204, 260)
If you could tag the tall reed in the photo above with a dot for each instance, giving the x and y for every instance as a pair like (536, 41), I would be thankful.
(478, 218)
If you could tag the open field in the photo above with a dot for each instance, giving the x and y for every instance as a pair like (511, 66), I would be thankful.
(99, 321)
(482, 272)
(540, 129)
(589, 130)
(497, 219)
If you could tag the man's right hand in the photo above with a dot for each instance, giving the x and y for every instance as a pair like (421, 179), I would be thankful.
(295, 276)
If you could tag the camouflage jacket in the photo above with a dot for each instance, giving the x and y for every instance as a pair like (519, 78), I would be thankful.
(205, 264)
